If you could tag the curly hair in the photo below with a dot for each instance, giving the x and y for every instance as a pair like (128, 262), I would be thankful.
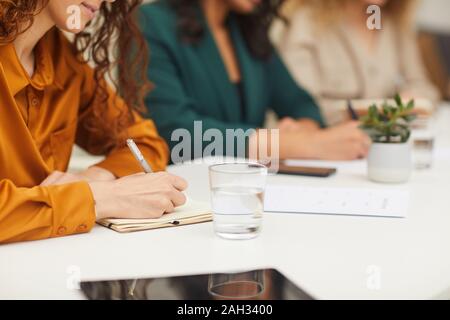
(115, 29)
(254, 27)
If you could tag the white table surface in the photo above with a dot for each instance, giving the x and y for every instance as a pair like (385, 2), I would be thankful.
(331, 257)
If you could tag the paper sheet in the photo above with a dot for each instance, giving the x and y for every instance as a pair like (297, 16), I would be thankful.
(342, 201)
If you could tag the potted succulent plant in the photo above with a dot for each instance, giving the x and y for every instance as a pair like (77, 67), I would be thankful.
(388, 126)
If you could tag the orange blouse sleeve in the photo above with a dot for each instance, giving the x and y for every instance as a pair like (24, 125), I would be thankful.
(44, 212)
(119, 159)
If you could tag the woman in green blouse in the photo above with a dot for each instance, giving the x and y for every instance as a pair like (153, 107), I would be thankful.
(212, 61)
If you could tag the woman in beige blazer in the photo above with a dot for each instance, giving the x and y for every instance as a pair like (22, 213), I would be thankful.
(331, 52)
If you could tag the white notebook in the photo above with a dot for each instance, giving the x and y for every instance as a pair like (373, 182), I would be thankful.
(387, 202)
(190, 213)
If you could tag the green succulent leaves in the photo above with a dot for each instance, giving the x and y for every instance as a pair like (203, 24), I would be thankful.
(389, 123)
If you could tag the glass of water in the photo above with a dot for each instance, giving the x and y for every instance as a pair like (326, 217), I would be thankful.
(422, 135)
(237, 197)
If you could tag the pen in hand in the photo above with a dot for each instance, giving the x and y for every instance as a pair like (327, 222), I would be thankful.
(352, 111)
(138, 155)
(147, 169)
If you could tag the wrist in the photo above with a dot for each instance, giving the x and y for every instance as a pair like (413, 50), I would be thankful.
(100, 192)
(308, 125)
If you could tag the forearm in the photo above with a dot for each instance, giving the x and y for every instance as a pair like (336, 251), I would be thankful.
(296, 145)
(281, 144)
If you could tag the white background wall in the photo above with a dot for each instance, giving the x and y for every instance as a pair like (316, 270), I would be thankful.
(434, 15)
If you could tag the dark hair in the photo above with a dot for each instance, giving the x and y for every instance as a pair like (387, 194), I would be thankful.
(254, 26)
(116, 22)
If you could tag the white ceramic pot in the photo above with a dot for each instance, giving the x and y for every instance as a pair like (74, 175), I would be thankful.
(389, 162)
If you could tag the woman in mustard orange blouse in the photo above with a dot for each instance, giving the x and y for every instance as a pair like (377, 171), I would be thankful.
(50, 99)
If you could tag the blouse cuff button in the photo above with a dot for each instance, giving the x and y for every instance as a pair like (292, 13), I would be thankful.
(61, 230)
